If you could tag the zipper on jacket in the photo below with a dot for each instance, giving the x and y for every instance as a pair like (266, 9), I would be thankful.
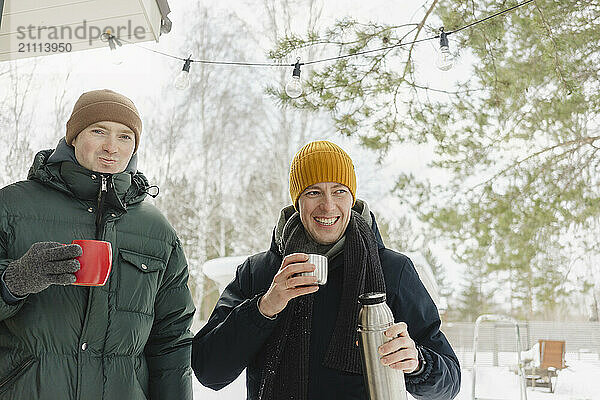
(104, 187)
(16, 373)
(102, 193)
(101, 198)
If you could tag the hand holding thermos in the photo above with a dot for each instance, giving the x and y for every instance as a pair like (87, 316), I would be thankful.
(386, 348)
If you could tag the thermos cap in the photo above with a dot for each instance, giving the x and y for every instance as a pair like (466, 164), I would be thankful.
(368, 299)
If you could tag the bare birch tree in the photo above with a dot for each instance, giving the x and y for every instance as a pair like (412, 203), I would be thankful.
(16, 122)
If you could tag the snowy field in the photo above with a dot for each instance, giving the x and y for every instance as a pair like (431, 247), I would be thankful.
(579, 381)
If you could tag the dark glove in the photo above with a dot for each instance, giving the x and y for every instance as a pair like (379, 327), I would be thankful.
(44, 264)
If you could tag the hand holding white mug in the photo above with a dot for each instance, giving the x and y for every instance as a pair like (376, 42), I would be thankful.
(287, 284)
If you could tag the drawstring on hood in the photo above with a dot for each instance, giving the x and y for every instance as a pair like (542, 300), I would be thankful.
(152, 191)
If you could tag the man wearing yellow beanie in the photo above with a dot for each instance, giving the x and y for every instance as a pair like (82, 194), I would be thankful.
(298, 340)
(128, 339)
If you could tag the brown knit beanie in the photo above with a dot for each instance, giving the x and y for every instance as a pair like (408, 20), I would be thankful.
(320, 161)
(103, 105)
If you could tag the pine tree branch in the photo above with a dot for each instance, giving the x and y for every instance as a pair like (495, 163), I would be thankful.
(419, 28)
(414, 85)
(582, 141)
(556, 61)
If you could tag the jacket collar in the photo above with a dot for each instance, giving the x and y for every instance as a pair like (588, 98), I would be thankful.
(79, 182)
(360, 206)
(65, 152)
(86, 184)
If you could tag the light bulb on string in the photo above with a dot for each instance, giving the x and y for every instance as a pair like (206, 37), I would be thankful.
(445, 61)
(114, 44)
(294, 86)
(182, 81)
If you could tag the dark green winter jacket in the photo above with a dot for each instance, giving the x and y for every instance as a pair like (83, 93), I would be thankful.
(128, 339)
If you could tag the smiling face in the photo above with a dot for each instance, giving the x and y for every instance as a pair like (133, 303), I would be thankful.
(105, 146)
(325, 211)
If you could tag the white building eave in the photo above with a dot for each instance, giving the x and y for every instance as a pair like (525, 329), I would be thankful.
(32, 28)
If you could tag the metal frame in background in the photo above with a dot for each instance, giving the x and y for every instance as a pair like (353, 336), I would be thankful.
(507, 320)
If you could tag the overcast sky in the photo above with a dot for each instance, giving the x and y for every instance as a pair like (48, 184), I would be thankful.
(142, 75)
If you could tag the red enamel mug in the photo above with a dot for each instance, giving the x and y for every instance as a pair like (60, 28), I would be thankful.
(96, 262)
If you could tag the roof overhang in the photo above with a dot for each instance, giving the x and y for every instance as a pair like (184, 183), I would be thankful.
(1, 8)
(163, 6)
(30, 28)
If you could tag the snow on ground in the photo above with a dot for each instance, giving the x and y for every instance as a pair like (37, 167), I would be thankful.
(579, 381)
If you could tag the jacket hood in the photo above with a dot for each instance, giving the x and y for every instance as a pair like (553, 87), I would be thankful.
(360, 206)
(65, 175)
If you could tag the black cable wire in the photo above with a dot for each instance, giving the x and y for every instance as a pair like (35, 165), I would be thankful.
(367, 51)
(209, 61)
(152, 50)
(489, 17)
(253, 64)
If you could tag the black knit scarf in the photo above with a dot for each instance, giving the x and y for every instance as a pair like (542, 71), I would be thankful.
(284, 359)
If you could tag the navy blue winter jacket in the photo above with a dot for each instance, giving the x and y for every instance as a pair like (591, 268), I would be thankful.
(236, 330)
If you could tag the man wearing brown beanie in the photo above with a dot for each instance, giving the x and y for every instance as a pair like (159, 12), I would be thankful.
(128, 339)
(297, 339)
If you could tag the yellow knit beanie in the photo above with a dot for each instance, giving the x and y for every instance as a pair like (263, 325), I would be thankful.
(321, 161)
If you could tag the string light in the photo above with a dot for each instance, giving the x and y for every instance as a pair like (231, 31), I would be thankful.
(182, 81)
(445, 60)
(294, 86)
(114, 44)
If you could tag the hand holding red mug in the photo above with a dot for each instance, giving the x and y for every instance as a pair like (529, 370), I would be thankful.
(44, 264)
(96, 262)
(84, 262)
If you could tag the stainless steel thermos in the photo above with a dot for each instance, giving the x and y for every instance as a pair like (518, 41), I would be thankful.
(382, 382)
